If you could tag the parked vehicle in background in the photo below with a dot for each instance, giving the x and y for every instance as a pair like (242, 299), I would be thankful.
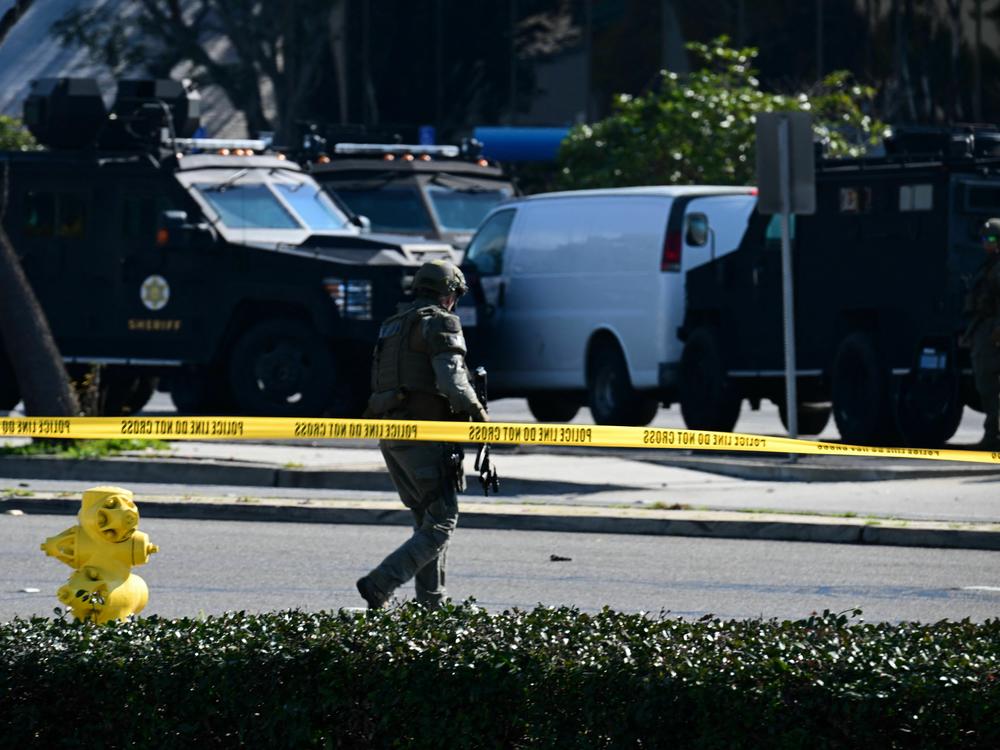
(581, 293)
(438, 192)
(880, 272)
(224, 272)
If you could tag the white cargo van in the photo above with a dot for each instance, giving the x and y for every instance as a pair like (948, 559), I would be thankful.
(581, 293)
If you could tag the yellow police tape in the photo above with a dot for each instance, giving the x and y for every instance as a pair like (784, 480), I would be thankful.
(601, 436)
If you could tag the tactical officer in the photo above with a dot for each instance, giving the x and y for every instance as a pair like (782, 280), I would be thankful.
(983, 333)
(419, 372)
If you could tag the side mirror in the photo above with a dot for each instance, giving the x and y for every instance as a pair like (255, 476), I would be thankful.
(363, 222)
(697, 230)
(175, 231)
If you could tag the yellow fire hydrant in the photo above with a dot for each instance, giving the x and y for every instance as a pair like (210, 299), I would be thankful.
(102, 549)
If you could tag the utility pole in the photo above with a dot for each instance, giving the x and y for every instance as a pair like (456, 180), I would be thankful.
(819, 39)
(977, 69)
(513, 60)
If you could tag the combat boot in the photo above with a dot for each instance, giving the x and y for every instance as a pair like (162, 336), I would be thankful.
(989, 443)
(371, 594)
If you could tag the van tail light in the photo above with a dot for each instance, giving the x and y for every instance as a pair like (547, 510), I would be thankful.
(671, 260)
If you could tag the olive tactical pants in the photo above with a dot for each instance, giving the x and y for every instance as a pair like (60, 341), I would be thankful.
(420, 474)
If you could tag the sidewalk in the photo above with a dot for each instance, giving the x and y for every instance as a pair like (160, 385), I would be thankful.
(829, 499)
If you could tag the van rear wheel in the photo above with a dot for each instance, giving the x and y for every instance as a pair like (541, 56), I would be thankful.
(281, 368)
(610, 394)
(553, 406)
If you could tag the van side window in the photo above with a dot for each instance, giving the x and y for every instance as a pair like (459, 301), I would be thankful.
(486, 249)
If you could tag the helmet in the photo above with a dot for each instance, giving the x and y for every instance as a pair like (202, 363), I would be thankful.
(441, 277)
(991, 232)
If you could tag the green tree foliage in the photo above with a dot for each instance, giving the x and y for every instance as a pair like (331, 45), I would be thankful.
(14, 136)
(699, 128)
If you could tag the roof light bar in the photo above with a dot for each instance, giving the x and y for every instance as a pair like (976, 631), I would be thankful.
(215, 144)
(449, 152)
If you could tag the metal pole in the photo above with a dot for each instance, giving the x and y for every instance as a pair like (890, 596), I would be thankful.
(784, 177)
(819, 39)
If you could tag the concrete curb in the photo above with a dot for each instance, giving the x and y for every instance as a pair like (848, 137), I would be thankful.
(249, 474)
(772, 467)
(706, 524)
(243, 474)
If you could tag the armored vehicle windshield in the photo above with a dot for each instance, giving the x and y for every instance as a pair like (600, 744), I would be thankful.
(264, 198)
(438, 192)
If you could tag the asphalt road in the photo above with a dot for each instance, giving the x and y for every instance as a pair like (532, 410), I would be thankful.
(209, 567)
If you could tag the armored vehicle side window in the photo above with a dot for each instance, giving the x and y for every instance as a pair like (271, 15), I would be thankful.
(486, 249)
(313, 205)
(39, 215)
(983, 199)
(389, 209)
(248, 207)
(772, 236)
(139, 216)
(463, 210)
(49, 215)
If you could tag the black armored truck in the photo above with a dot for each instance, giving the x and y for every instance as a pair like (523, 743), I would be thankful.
(439, 192)
(218, 268)
(880, 272)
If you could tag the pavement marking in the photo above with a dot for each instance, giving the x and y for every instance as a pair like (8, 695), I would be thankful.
(980, 588)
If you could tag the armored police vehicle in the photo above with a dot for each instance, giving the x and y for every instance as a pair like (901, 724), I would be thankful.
(438, 192)
(216, 266)
(880, 272)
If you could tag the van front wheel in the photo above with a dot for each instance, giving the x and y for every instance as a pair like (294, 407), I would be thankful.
(610, 394)
(553, 406)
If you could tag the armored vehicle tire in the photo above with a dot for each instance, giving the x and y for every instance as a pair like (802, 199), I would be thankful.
(708, 399)
(812, 418)
(862, 406)
(928, 408)
(198, 392)
(123, 392)
(9, 392)
(553, 406)
(281, 368)
(610, 395)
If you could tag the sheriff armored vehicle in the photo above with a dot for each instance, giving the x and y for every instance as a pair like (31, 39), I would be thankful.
(215, 266)
(440, 192)
(880, 272)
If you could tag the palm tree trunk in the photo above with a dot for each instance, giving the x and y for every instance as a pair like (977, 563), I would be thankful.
(31, 350)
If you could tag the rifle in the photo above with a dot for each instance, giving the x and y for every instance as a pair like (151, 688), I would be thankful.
(487, 472)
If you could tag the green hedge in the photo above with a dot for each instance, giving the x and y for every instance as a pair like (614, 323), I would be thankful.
(464, 678)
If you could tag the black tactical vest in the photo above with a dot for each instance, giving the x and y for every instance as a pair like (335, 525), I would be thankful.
(403, 379)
